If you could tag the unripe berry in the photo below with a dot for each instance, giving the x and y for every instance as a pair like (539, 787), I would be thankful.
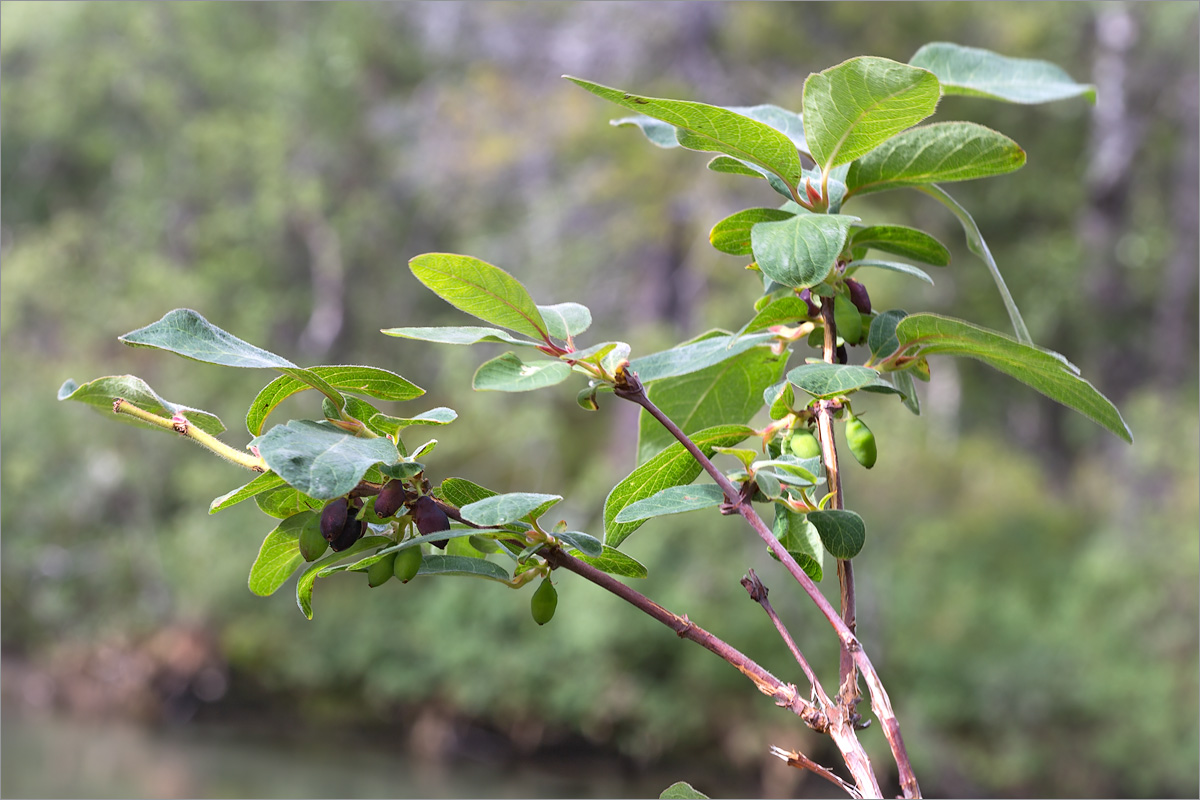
(543, 602)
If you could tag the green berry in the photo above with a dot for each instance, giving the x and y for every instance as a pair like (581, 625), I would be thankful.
(804, 444)
(381, 571)
(407, 562)
(861, 441)
(543, 602)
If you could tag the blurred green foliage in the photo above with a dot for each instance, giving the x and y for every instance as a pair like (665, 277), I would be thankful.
(1029, 586)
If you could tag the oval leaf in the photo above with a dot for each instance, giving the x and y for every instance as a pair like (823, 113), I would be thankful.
(982, 73)
(370, 381)
(672, 467)
(937, 153)
(459, 334)
(800, 252)
(507, 373)
(800, 538)
(614, 562)
(852, 108)
(319, 459)
(101, 392)
(263, 483)
(705, 351)
(583, 542)
(185, 332)
(279, 555)
(728, 392)
(732, 234)
(881, 338)
(829, 380)
(673, 500)
(481, 290)
(1046, 371)
(565, 320)
(979, 247)
(903, 241)
(890, 266)
(463, 565)
(502, 509)
(842, 532)
(713, 129)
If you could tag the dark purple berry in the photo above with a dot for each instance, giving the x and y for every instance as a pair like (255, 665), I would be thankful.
(333, 519)
(430, 518)
(859, 296)
(390, 499)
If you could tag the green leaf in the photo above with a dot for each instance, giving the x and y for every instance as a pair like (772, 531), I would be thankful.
(393, 425)
(369, 381)
(881, 338)
(729, 392)
(263, 483)
(279, 555)
(508, 373)
(188, 334)
(800, 252)
(937, 153)
(852, 108)
(800, 538)
(285, 502)
(585, 543)
(614, 562)
(319, 459)
(101, 392)
(672, 467)
(460, 492)
(501, 509)
(459, 334)
(829, 380)
(304, 586)
(682, 790)
(904, 384)
(660, 133)
(673, 500)
(979, 247)
(732, 234)
(1048, 372)
(890, 266)
(565, 320)
(463, 565)
(706, 350)
(481, 290)
(900, 240)
(982, 73)
(784, 311)
(713, 129)
(842, 532)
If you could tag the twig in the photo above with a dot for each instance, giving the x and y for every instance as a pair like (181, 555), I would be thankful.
(842, 718)
(795, 758)
(758, 593)
(630, 388)
(847, 679)
(784, 694)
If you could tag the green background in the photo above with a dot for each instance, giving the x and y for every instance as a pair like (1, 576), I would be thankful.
(1028, 590)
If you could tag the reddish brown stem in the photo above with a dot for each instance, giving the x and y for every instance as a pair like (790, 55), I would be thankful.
(847, 678)
(630, 388)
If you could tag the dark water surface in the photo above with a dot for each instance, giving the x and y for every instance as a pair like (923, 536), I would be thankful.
(49, 756)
